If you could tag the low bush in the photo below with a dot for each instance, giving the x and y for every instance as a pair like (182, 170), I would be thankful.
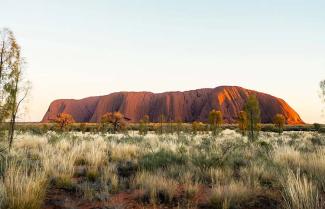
(158, 189)
(231, 195)
(160, 159)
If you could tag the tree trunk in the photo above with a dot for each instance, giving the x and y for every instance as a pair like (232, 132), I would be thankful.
(11, 130)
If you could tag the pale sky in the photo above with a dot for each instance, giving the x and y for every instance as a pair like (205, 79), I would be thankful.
(79, 48)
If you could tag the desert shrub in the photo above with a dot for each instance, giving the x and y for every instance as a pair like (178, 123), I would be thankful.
(221, 176)
(35, 130)
(127, 139)
(158, 189)
(287, 157)
(300, 193)
(92, 174)
(80, 161)
(109, 179)
(24, 188)
(126, 169)
(231, 195)
(257, 175)
(205, 161)
(88, 191)
(59, 160)
(64, 182)
(237, 155)
(191, 188)
(160, 159)
(123, 152)
(94, 152)
(314, 167)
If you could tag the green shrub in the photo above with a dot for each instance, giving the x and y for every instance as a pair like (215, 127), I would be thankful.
(65, 183)
(92, 175)
(161, 159)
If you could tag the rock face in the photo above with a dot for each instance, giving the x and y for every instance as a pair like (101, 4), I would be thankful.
(186, 106)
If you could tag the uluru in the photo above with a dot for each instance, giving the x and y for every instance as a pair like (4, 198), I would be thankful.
(187, 106)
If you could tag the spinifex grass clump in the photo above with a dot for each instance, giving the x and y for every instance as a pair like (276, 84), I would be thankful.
(301, 193)
(23, 187)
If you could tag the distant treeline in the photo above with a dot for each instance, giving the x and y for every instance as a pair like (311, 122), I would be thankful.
(156, 127)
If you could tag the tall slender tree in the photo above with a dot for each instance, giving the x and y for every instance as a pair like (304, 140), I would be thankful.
(252, 108)
(13, 88)
(8, 56)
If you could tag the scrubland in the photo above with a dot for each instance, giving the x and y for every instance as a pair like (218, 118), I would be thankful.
(93, 170)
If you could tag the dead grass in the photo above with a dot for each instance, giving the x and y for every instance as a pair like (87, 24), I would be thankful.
(230, 195)
(157, 187)
(300, 193)
(24, 189)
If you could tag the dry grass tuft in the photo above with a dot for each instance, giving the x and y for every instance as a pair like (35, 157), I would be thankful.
(157, 187)
(230, 195)
(300, 193)
(24, 189)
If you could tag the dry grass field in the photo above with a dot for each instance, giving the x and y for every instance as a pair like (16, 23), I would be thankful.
(100, 171)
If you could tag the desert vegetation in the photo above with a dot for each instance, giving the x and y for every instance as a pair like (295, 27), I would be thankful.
(169, 170)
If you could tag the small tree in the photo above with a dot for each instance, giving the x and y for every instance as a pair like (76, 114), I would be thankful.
(63, 120)
(242, 122)
(215, 120)
(116, 119)
(253, 115)
(143, 129)
(279, 121)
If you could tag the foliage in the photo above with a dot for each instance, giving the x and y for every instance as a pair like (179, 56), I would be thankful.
(215, 120)
(116, 119)
(279, 121)
(242, 122)
(13, 89)
(253, 115)
(160, 159)
(63, 120)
